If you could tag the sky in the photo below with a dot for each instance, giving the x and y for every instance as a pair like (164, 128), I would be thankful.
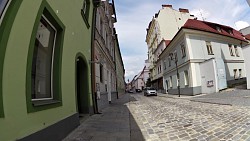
(133, 17)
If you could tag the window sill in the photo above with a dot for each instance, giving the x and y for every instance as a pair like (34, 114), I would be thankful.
(44, 102)
(210, 54)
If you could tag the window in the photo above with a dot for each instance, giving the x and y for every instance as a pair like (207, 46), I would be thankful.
(218, 28)
(236, 51)
(183, 51)
(170, 82)
(169, 61)
(3, 5)
(209, 48)
(43, 86)
(186, 80)
(230, 31)
(85, 12)
(240, 73)
(101, 73)
(42, 64)
(231, 50)
(235, 73)
(84, 7)
(171, 56)
(165, 64)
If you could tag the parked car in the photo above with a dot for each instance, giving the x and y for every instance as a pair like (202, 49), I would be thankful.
(138, 90)
(130, 91)
(150, 91)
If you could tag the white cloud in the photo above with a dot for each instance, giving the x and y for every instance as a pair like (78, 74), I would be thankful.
(241, 24)
(133, 65)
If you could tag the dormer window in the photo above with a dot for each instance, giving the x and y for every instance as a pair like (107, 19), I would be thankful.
(230, 31)
(218, 28)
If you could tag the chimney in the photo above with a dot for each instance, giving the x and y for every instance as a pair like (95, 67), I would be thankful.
(183, 10)
(156, 15)
(167, 5)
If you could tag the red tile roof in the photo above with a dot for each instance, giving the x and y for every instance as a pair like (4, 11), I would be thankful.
(211, 27)
(247, 36)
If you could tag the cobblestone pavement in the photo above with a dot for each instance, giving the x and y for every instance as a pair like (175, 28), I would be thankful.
(235, 97)
(167, 119)
(112, 125)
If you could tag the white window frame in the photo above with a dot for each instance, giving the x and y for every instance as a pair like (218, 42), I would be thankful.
(52, 63)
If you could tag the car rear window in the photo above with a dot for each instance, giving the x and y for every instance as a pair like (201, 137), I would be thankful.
(151, 89)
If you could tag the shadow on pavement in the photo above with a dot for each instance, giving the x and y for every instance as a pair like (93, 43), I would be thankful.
(116, 123)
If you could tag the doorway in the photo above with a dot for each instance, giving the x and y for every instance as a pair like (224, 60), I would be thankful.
(82, 87)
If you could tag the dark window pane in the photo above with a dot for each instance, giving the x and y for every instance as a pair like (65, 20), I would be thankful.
(43, 61)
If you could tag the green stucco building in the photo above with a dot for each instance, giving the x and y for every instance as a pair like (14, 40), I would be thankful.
(45, 74)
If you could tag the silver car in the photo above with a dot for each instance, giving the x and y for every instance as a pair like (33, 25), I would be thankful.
(150, 91)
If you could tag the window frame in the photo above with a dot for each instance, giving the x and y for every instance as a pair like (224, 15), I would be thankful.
(186, 78)
(52, 61)
(85, 13)
(235, 74)
(6, 26)
(231, 49)
(39, 105)
(169, 61)
(240, 74)
(183, 50)
(209, 48)
(236, 51)
(170, 82)
(5, 7)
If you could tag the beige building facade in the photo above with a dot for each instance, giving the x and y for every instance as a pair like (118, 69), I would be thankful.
(104, 54)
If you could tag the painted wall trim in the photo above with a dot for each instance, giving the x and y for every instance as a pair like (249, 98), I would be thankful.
(5, 29)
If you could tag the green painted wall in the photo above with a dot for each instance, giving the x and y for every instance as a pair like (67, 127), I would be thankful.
(17, 122)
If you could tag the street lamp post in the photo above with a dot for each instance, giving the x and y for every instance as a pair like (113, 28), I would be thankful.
(177, 73)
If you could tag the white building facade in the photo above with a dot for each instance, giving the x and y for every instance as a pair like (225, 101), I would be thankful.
(164, 25)
(246, 52)
(196, 46)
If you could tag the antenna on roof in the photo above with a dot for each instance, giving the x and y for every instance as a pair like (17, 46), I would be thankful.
(202, 15)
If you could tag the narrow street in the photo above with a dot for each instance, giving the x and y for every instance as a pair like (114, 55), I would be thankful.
(164, 118)
(136, 117)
